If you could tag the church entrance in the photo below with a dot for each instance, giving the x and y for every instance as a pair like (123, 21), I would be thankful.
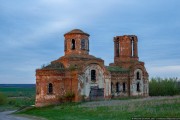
(96, 93)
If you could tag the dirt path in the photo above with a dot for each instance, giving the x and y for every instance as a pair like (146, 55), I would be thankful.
(7, 115)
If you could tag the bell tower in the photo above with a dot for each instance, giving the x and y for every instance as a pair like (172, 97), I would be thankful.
(125, 48)
(76, 42)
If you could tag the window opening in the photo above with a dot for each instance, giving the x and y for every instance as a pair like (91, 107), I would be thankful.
(50, 88)
(93, 75)
(83, 45)
(73, 44)
(124, 87)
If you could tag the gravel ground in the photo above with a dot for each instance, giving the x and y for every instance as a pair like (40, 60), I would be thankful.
(7, 115)
(119, 102)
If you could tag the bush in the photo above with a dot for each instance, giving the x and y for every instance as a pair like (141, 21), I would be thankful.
(69, 96)
(163, 87)
(2, 99)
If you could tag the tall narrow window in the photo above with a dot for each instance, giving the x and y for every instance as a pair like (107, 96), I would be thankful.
(117, 87)
(117, 49)
(50, 88)
(73, 44)
(93, 75)
(138, 76)
(138, 87)
(88, 45)
(124, 87)
(65, 45)
(111, 87)
(132, 46)
(83, 44)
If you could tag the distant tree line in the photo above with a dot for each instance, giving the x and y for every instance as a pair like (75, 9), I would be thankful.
(164, 87)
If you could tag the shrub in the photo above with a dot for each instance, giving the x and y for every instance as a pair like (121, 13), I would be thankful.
(163, 87)
(2, 99)
(69, 96)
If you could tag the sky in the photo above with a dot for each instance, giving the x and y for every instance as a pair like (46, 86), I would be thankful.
(32, 33)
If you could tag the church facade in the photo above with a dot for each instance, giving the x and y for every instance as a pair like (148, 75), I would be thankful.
(80, 76)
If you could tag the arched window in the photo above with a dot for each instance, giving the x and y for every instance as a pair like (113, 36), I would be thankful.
(73, 44)
(111, 87)
(138, 76)
(138, 87)
(132, 46)
(124, 87)
(50, 88)
(93, 75)
(65, 45)
(83, 44)
(117, 87)
(88, 45)
(117, 49)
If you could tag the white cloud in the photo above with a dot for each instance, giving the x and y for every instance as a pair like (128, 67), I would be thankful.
(165, 71)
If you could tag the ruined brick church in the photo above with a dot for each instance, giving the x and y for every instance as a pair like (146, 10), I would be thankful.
(86, 77)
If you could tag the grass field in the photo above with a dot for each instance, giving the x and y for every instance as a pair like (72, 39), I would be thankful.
(17, 95)
(166, 107)
(18, 90)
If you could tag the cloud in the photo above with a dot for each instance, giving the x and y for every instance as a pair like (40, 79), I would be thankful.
(33, 23)
(165, 71)
(31, 32)
(39, 33)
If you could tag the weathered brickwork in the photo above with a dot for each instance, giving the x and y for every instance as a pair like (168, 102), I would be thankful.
(126, 58)
(80, 76)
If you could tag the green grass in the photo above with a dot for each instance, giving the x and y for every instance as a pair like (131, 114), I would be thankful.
(116, 69)
(18, 92)
(21, 102)
(17, 97)
(150, 108)
(12, 103)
